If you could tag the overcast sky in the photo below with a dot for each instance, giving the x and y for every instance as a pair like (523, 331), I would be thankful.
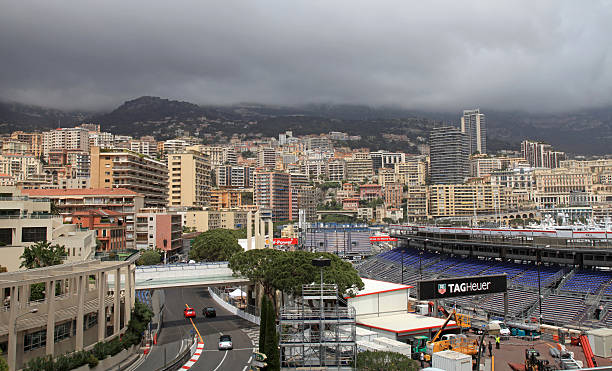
(434, 55)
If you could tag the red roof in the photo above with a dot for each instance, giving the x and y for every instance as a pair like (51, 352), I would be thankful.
(370, 186)
(80, 192)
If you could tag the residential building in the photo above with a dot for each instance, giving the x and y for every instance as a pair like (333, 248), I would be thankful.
(359, 168)
(234, 176)
(384, 159)
(473, 125)
(392, 193)
(109, 227)
(20, 167)
(188, 179)
(272, 191)
(350, 204)
(71, 201)
(175, 146)
(101, 139)
(266, 158)
(225, 199)
(318, 143)
(218, 155)
(413, 171)
(204, 220)
(33, 139)
(369, 192)
(448, 155)
(452, 200)
(124, 169)
(25, 221)
(540, 154)
(336, 170)
(417, 202)
(303, 197)
(65, 138)
(553, 187)
(15, 147)
(157, 229)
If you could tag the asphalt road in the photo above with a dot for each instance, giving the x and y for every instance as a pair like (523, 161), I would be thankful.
(176, 327)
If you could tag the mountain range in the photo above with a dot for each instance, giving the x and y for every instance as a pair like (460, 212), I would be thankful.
(586, 132)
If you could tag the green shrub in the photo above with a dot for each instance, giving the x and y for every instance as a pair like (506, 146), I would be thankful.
(92, 361)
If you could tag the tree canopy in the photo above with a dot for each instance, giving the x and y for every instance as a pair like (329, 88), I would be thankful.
(385, 361)
(42, 254)
(149, 257)
(287, 271)
(215, 245)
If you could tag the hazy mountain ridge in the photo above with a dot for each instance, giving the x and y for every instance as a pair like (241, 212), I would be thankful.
(586, 131)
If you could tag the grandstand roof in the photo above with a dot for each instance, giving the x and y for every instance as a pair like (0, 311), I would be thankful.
(404, 323)
(372, 287)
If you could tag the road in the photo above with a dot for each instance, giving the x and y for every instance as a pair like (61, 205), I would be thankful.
(176, 328)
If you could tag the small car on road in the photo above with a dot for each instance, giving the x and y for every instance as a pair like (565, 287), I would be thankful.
(209, 312)
(189, 312)
(225, 342)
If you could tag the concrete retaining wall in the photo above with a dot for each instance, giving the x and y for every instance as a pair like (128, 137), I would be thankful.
(232, 309)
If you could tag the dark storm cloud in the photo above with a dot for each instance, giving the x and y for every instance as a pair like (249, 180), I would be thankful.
(440, 55)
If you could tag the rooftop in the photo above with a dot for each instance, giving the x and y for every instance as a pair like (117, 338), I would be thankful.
(80, 192)
(404, 323)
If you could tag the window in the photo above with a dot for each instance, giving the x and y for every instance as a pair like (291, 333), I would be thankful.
(35, 340)
(6, 236)
(91, 320)
(33, 234)
(62, 331)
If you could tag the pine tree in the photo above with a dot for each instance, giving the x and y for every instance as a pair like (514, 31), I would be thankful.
(263, 317)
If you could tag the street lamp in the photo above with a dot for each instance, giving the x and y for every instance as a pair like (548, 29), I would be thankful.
(421, 259)
(401, 252)
(539, 263)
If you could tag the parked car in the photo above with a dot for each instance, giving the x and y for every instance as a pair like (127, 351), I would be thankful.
(189, 312)
(225, 342)
(209, 312)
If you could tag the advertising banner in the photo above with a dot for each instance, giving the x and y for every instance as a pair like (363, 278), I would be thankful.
(464, 286)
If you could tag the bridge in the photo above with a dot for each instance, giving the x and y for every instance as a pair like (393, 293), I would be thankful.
(321, 213)
(183, 275)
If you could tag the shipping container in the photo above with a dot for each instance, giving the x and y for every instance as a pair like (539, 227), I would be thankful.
(394, 345)
(449, 360)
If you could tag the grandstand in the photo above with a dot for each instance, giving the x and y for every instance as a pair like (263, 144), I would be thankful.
(569, 296)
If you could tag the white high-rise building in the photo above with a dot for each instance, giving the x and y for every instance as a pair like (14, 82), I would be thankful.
(474, 126)
(65, 138)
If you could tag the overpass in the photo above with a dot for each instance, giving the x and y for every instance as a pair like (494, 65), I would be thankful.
(183, 275)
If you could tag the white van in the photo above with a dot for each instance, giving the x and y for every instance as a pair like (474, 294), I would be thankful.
(503, 329)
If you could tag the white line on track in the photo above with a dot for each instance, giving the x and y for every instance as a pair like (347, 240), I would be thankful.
(245, 367)
(220, 363)
(250, 359)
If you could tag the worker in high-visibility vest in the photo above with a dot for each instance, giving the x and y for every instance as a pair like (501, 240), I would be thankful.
(497, 339)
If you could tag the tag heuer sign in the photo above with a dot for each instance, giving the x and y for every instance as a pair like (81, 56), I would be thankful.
(463, 286)
(442, 288)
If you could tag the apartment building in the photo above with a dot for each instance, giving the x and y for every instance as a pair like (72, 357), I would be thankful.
(272, 191)
(33, 139)
(392, 194)
(101, 139)
(448, 155)
(369, 192)
(70, 201)
(540, 154)
(359, 168)
(218, 155)
(20, 167)
(449, 200)
(336, 170)
(188, 179)
(266, 158)
(413, 171)
(174, 146)
(65, 138)
(417, 202)
(225, 199)
(109, 227)
(384, 159)
(15, 147)
(138, 173)
(473, 125)
(234, 176)
(204, 220)
(157, 229)
(25, 221)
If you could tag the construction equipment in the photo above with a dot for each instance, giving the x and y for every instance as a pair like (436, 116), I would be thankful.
(534, 363)
(418, 345)
(456, 343)
(588, 352)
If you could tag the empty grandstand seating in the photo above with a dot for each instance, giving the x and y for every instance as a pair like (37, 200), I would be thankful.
(561, 309)
(587, 281)
(518, 302)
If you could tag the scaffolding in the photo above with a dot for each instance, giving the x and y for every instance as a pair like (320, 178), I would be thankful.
(318, 331)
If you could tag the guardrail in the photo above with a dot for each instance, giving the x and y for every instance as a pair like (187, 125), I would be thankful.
(182, 358)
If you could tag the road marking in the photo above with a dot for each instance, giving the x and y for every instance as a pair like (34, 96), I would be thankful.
(245, 367)
(233, 349)
(220, 363)
(250, 359)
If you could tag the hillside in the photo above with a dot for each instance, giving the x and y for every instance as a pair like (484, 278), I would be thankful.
(585, 132)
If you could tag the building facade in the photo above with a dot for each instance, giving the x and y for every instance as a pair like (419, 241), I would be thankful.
(448, 155)
(474, 126)
(188, 179)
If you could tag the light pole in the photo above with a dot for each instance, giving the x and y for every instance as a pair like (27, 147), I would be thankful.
(421, 259)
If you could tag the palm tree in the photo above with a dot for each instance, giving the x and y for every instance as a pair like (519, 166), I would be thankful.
(42, 254)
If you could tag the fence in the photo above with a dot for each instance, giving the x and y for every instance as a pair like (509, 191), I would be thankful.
(250, 313)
